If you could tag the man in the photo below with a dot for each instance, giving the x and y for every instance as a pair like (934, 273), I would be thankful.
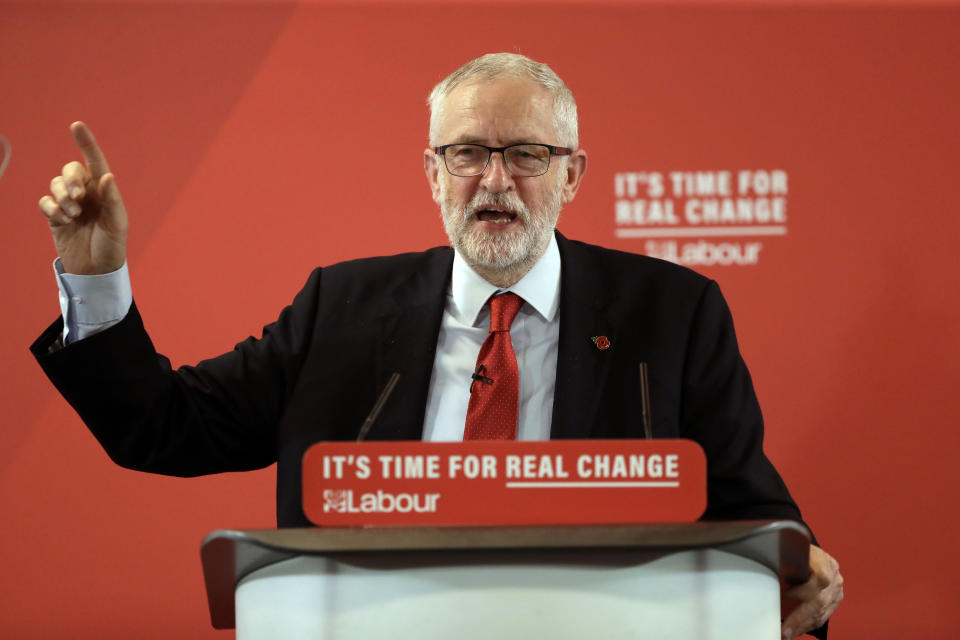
(502, 161)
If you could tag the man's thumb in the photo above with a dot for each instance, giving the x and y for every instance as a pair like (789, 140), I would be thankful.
(111, 202)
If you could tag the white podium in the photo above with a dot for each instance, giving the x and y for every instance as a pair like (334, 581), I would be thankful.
(699, 580)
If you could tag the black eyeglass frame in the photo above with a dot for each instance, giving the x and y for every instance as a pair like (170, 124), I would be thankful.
(554, 151)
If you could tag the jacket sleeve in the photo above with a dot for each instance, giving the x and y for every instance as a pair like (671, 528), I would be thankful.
(721, 412)
(219, 415)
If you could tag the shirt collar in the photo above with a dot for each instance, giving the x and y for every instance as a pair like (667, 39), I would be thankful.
(540, 287)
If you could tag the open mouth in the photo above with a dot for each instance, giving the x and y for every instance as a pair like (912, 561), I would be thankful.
(495, 216)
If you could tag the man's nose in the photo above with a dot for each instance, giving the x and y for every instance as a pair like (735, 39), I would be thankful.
(497, 177)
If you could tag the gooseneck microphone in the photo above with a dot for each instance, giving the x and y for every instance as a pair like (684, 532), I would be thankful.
(645, 401)
(378, 406)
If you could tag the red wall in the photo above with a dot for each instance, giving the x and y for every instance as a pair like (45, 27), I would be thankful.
(238, 135)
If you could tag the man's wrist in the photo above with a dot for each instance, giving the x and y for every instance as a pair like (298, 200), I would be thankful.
(92, 303)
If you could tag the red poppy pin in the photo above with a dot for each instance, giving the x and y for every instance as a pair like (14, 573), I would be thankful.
(602, 342)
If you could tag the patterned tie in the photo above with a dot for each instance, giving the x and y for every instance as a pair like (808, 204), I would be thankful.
(494, 392)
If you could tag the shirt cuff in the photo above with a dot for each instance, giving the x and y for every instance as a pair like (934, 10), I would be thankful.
(91, 304)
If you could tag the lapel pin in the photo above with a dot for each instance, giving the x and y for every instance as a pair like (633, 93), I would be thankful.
(602, 342)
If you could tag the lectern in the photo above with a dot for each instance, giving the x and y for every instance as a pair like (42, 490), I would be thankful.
(692, 580)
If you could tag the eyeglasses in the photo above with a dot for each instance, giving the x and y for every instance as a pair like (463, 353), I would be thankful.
(522, 160)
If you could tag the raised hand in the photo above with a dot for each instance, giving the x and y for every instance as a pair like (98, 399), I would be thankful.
(85, 211)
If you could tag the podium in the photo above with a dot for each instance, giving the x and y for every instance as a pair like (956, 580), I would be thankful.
(705, 580)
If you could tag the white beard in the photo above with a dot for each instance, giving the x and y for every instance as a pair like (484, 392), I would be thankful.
(500, 252)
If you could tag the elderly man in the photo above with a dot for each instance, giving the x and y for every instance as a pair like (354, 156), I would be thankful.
(515, 333)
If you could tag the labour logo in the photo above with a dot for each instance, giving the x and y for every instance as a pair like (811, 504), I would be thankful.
(336, 499)
(5, 151)
(706, 218)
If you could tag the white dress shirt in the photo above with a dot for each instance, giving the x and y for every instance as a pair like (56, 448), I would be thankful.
(535, 334)
(90, 304)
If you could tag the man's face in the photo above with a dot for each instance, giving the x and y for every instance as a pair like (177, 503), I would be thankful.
(498, 222)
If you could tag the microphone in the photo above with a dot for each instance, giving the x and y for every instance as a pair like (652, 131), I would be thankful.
(645, 402)
(477, 376)
(378, 406)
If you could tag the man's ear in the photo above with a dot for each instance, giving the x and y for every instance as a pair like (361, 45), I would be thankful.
(431, 166)
(575, 169)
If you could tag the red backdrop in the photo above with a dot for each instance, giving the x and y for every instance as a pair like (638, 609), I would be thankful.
(239, 134)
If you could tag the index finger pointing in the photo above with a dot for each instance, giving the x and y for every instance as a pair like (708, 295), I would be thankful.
(96, 161)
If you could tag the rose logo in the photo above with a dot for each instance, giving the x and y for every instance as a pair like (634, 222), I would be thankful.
(336, 499)
(5, 150)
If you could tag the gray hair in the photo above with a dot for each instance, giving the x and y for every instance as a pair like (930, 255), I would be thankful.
(494, 65)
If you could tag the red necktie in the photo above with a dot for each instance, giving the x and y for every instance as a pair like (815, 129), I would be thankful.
(494, 392)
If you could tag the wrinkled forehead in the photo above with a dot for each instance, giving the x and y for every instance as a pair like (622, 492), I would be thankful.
(498, 112)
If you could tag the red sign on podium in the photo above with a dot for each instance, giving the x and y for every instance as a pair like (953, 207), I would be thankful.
(503, 482)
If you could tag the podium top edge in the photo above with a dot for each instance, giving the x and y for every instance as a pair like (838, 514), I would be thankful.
(655, 536)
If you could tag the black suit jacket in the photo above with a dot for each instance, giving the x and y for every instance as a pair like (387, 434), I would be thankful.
(318, 369)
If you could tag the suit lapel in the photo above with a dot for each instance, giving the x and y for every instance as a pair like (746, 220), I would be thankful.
(409, 329)
(582, 364)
